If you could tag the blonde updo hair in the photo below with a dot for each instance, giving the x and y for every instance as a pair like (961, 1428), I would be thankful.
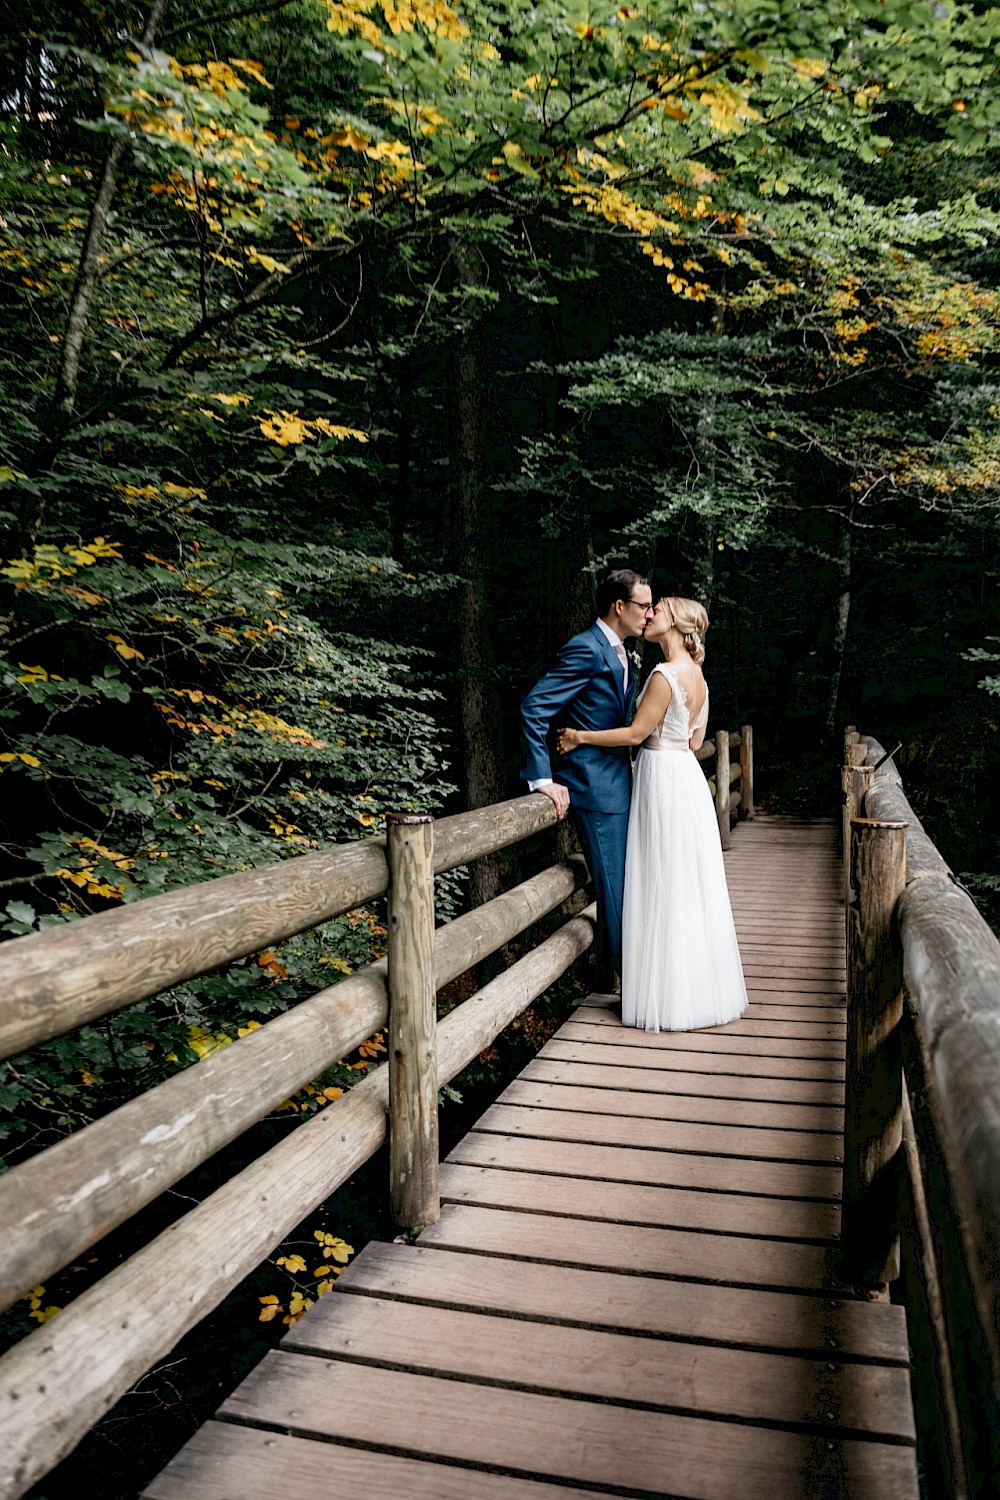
(691, 619)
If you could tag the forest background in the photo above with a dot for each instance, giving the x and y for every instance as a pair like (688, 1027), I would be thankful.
(345, 342)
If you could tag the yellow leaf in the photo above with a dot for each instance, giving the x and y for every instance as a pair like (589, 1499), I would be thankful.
(269, 1312)
(517, 160)
(337, 1250)
(236, 399)
(87, 595)
(809, 68)
(126, 652)
(270, 264)
(292, 1263)
(43, 1314)
(331, 429)
(284, 428)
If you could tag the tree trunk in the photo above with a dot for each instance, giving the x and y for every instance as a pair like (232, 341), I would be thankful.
(703, 582)
(63, 402)
(404, 449)
(841, 620)
(482, 743)
(570, 604)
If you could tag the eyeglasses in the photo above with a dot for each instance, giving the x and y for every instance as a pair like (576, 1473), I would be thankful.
(647, 607)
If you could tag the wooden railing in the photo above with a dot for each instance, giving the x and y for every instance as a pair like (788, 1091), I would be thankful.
(62, 1378)
(731, 783)
(922, 1123)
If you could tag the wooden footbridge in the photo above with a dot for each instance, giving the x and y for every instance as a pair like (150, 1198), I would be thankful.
(633, 1277)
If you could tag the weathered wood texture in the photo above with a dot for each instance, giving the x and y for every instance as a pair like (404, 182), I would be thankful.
(935, 1405)
(60, 1380)
(951, 1038)
(62, 1201)
(53, 981)
(873, 1119)
(413, 1116)
(746, 772)
(951, 1042)
(610, 1446)
(722, 788)
(631, 1287)
(855, 782)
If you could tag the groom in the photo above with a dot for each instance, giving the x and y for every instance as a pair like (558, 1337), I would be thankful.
(592, 686)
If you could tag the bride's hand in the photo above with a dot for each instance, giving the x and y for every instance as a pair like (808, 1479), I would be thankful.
(567, 740)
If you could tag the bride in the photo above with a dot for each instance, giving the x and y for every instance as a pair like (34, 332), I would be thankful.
(681, 964)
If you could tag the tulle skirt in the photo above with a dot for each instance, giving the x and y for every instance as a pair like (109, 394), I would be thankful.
(681, 964)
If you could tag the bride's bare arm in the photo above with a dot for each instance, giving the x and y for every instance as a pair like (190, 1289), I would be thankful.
(649, 713)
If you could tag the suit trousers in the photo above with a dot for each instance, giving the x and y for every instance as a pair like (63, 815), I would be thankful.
(602, 837)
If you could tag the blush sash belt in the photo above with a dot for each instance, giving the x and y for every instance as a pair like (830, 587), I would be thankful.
(657, 744)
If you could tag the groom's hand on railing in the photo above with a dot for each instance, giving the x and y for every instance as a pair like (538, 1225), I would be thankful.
(557, 794)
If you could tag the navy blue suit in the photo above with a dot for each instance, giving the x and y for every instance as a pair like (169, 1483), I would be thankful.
(585, 690)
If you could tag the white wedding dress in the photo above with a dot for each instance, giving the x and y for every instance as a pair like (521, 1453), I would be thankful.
(681, 964)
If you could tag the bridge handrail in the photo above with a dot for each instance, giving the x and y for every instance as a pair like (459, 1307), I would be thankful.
(56, 980)
(67, 976)
(59, 1380)
(62, 1201)
(951, 1127)
(63, 1377)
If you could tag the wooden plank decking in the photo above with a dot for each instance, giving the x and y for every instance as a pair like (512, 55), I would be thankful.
(631, 1289)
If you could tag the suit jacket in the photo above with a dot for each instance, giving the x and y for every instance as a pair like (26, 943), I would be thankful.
(583, 690)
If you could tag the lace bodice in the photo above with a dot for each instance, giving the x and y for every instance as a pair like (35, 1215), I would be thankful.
(675, 727)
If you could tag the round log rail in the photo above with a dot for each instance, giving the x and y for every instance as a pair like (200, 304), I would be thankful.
(951, 968)
(62, 1378)
(56, 980)
(66, 1198)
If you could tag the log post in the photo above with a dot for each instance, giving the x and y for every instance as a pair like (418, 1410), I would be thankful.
(873, 1114)
(850, 740)
(722, 784)
(746, 772)
(854, 784)
(413, 1081)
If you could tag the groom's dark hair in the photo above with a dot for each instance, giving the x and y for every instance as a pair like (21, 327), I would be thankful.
(620, 583)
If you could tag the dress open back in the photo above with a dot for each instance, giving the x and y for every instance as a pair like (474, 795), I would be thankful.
(681, 965)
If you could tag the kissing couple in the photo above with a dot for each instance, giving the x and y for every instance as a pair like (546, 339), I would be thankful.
(651, 840)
